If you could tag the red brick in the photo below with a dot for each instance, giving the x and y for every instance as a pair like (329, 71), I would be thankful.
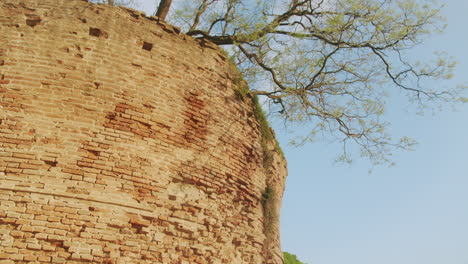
(111, 155)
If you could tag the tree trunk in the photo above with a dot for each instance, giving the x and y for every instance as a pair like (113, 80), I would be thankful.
(163, 9)
(110, 2)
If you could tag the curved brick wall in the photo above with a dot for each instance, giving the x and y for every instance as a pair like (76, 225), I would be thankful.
(122, 141)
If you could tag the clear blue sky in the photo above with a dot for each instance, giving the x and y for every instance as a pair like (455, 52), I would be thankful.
(413, 213)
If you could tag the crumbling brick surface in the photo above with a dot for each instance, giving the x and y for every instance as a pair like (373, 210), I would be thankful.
(122, 141)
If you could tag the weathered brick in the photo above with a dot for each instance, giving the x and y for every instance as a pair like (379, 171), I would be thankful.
(16, 234)
(16, 257)
(30, 258)
(57, 260)
(10, 250)
(121, 153)
(73, 171)
(24, 155)
(42, 236)
(44, 258)
(18, 244)
(48, 248)
(34, 246)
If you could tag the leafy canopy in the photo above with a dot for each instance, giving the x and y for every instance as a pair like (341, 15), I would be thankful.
(290, 259)
(330, 64)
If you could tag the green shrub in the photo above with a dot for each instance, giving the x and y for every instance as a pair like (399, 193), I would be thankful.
(291, 259)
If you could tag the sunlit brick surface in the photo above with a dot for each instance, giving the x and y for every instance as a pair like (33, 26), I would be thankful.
(122, 141)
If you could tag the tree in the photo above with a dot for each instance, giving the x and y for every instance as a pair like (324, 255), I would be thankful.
(163, 9)
(327, 63)
(291, 258)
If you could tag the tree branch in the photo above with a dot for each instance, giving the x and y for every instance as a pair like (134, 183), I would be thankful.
(163, 9)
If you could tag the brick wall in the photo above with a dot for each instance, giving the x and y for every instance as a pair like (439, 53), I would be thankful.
(122, 141)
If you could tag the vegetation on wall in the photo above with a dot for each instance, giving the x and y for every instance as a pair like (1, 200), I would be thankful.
(242, 93)
(268, 197)
(269, 209)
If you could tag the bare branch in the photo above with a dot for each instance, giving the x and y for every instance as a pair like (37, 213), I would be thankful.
(200, 11)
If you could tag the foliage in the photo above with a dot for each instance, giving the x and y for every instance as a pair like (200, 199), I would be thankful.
(269, 209)
(291, 259)
(242, 93)
(329, 63)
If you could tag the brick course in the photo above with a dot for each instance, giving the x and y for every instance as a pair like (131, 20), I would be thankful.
(122, 141)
